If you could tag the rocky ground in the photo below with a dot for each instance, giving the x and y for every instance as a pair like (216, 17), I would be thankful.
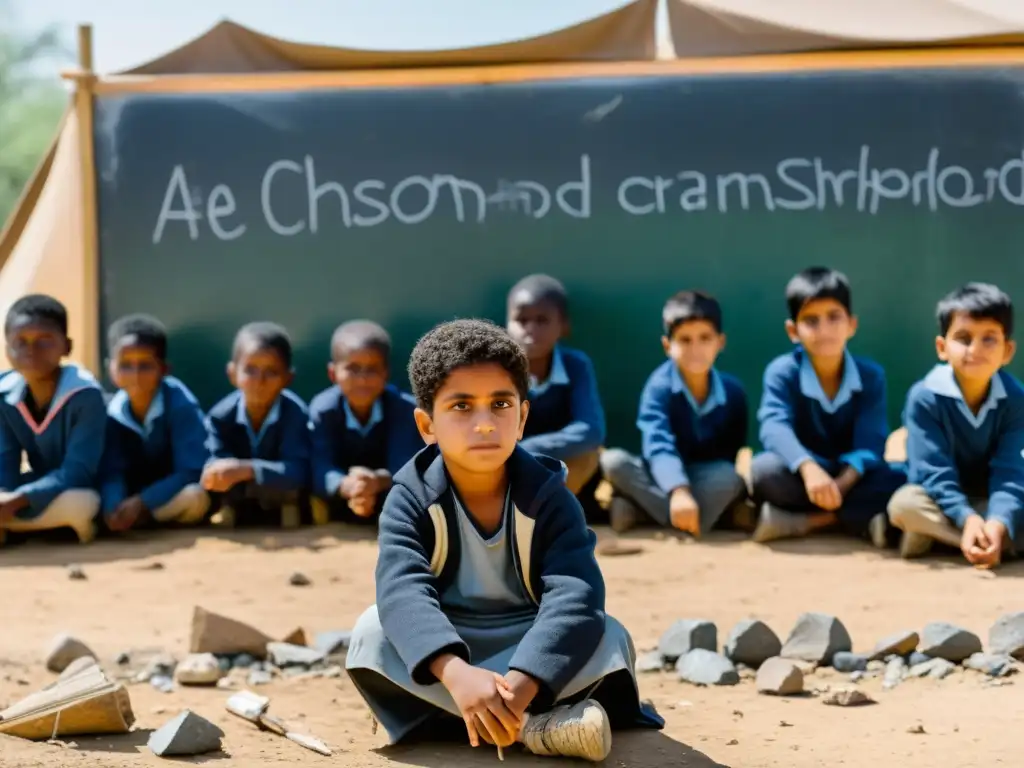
(907, 636)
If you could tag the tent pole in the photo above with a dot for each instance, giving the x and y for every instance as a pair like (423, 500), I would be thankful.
(84, 79)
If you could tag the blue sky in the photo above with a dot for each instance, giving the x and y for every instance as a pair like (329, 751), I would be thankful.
(128, 32)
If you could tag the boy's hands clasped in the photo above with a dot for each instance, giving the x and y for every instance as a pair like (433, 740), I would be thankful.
(982, 541)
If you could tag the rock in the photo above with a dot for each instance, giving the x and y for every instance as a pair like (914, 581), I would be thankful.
(287, 655)
(296, 637)
(80, 664)
(918, 658)
(160, 665)
(333, 671)
(845, 661)
(780, 677)
(703, 667)
(916, 729)
(123, 659)
(76, 572)
(243, 661)
(260, 677)
(857, 676)
(225, 663)
(186, 734)
(847, 697)
(298, 579)
(227, 684)
(1006, 636)
(945, 641)
(895, 671)
(817, 637)
(745, 672)
(900, 643)
(213, 633)
(650, 662)
(993, 665)
(63, 650)
(686, 635)
(330, 643)
(876, 665)
(937, 669)
(199, 669)
(751, 642)
(162, 683)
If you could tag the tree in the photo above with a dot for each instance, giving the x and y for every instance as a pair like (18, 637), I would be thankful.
(31, 103)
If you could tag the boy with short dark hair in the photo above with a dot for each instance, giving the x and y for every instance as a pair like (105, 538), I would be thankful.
(156, 430)
(567, 419)
(53, 413)
(965, 436)
(363, 427)
(823, 423)
(692, 421)
(490, 602)
(258, 436)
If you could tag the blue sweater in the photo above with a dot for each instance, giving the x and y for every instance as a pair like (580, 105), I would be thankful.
(340, 442)
(566, 417)
(676, 431)
(64, 451)
(561, 570)
(798, 422)
(280, 452)
(954, 453)
(158, 458)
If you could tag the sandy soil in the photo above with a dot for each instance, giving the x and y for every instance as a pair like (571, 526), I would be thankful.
(121, 607)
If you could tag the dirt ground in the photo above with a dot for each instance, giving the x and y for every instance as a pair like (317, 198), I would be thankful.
(121, 606)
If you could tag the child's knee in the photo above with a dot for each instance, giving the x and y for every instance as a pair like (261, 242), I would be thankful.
(615, 463)
(908, 502)
(768, 471)
(193, 502)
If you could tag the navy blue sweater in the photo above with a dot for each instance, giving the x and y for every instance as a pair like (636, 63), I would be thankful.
(562, 570)
(954, 453)
(675, 431)
(798, 422)
(566, 417)
(160, 456)
(280, 453)
(388, 441)
(64, 451)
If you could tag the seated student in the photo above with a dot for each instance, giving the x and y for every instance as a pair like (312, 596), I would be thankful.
(823, 423)
(258, 436)
(156, 429)
(965, 436)
(567, 421)
(363, 427)
(490, 602)
(693, 422)
(55, 415)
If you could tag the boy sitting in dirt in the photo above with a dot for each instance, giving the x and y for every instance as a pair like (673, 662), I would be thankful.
(55, 415)
(965, 436)
(490, 603)
(693, 422)
(363, 427)
(156, 438)
(258, 436)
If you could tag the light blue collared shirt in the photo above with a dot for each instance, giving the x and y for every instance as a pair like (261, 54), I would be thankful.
(557, 376)
(942, 381)
(353, 423)
(716, 392)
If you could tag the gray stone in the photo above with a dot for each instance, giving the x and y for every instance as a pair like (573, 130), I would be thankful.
(936, 669)
(76, 572)
(847, 697)
(187, 734)
(63, 650)
(993, 665)
(945, 641)
(299, 579)
(1006, 636)
(703, 667)
(779, 677)
(845, 661)
(159, 665)
(751, 642)
(918, 658)
(260, 677)
(876, 665)
(162, 683)
(243, 661)
(330, 643)
(895, 671)
(900, 643)
(199, 669)
(123, 659)
(288, 655)
(686, 635)
(817, 637)
(650, 662)
(225, 663)
(857, 676)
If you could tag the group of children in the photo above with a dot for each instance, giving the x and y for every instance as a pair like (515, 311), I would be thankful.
(71, 456)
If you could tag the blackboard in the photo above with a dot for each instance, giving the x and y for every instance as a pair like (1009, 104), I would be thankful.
(431, 201)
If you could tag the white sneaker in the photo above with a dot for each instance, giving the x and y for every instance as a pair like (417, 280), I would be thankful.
(878, 529)
(915, 545)
(582, 730)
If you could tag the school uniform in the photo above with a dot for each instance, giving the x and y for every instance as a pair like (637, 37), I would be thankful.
(159, 459)
(684, 444)
(799, 422)
(961, 463)
(64, 451)
(566, 420)
(528, 597)
(280, 452)
(340, 441)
